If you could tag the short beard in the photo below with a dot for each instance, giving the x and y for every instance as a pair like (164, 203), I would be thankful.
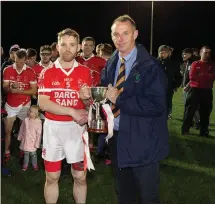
(68, 59)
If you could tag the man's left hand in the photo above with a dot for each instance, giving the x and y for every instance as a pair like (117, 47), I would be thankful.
(112, 93)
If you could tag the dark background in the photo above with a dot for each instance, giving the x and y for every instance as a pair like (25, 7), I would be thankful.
(177, 24)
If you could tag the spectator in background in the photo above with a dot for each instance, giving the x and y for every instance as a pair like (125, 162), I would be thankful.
(106, 51)
(20, 83)
(196, 54)
(55, 53)
(200, 94)
(8, 62)
(87, 58)
(32, 62)
(31, 57)
(188, 58)
(170, 51)
(45, 56)
(98, 48)
(11, 58)
(95, 63)
(172, 70)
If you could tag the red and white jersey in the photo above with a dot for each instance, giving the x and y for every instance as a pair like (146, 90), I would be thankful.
(63, 86)
(96, 65)
(24, 78)
(48, 66)
(37, 69)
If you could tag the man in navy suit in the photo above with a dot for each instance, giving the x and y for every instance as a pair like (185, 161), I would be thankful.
(140, 139)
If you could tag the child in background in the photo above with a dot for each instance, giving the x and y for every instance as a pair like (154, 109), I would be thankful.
(30, 137)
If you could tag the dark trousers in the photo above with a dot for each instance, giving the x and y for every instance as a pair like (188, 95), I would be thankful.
(196, 117)
(103, 148)
(202, 99)
(169, 98)
(101, 144)
(134, 181)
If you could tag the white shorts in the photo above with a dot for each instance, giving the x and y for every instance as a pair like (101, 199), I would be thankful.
(20, 111)
(62, 140)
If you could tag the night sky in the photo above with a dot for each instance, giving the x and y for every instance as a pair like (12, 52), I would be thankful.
(177, 24)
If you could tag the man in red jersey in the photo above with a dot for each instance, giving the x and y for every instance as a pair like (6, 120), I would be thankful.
(61, 98)
(95, 63)
(31, 57)
(202, 77)
(19, 81)
(45, 56)
(87, 58)
(32, 62)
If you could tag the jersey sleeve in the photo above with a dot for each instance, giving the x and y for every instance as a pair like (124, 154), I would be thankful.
(32, 77)
(37, 69)
(102, 65)
(6, 75)
(44, 83)
(89, 78)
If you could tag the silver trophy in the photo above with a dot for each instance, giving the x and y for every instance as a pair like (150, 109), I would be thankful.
(98, 123)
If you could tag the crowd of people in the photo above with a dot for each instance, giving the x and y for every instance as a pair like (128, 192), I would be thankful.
(48, 101)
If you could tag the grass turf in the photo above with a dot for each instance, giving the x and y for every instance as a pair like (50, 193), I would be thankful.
(187, 175)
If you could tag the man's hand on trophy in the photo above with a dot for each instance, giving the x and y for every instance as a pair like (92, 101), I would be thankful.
(80, 116)
(15, 85)
(112, 93)
(85, 92)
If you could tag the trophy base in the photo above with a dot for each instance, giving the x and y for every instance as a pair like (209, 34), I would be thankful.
(97, 130)
(98, 126)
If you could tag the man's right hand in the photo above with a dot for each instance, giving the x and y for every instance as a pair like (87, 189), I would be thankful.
(80, 116)
(85, 92)
(15, 85)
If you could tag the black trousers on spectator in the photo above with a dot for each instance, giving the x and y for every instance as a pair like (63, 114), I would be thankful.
(131, 182)
(202, 98)
(169, 98)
